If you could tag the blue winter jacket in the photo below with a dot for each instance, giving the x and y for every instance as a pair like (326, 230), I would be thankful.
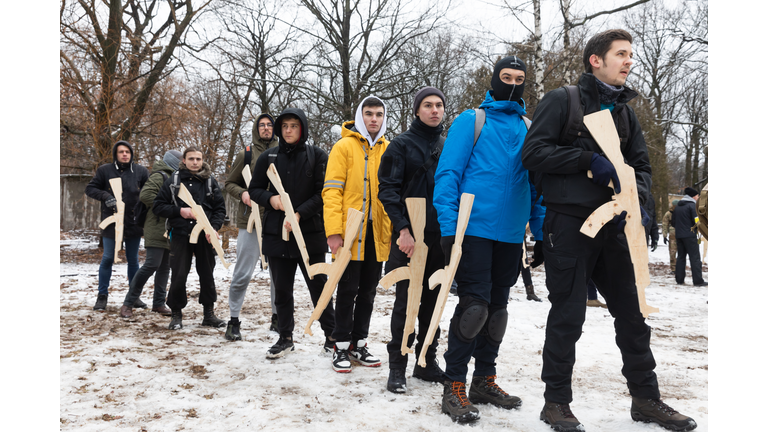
(492, 171)
(538, 211)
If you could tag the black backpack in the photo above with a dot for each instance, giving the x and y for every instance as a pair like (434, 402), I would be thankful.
(140, 210)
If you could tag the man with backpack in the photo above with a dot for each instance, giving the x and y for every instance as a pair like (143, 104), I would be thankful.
(487, 166)
(561, 151)
(157, 246)
(247, 243)
(301, 168)
(196, 176)
(132, 177)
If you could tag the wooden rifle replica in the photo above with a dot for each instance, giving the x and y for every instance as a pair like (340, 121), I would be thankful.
(414, 271)
(444, 276)
(201, 224)
(335, 269)
(290, 216)
(255, 219)
(118, 218)
(600, 125)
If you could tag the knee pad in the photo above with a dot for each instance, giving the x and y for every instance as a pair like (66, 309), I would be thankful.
(468, 323)
(496, 326)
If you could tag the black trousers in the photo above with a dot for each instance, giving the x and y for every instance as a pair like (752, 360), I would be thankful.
(283, 271)
(435, 261)
(688, 246)
(355, 294)
(181, 263)
(572, 259)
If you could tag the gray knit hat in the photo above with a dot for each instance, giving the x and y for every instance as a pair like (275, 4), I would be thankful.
(172, 158)
(421, 94)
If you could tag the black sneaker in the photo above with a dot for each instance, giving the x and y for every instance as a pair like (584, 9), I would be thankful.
(560, 418)
(341, 361)
(485, 390)
(431, 372)
(456, 404)
(175, 320)
(654, 410)
(282, 347)
(361, 355)
(273, 324)
(101, 302)
(233, 330)
(328, 346)
(396, 381)
(138, 304)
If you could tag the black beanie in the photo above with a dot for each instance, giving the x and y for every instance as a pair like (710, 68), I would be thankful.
(501, 90)
(691, 192)
(421, 94)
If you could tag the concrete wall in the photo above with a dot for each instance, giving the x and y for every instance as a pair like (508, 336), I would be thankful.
(76, 209)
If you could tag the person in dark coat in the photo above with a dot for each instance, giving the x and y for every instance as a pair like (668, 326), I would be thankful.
(133, 177)
(652, 229)
(197, 177)
(573, 258)
(302, 175)
(684, 220)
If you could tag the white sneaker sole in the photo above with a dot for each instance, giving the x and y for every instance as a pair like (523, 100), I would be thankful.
(280, 354)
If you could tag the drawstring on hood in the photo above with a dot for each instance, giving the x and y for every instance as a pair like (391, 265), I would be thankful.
(360, 124)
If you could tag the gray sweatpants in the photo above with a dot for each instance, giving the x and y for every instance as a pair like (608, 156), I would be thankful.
(247, 257)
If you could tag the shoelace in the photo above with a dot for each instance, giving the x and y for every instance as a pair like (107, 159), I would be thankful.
(565, 411)
(458, 390)
(490, 381)
(664, 407)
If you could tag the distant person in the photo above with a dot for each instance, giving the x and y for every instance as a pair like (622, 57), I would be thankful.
(132, 177)
(684, 219)
(668, 234)
(651, 229)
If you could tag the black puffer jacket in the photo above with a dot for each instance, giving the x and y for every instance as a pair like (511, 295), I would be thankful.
(408, 152)
(213, 204)
(566, 187)
(684, 218)
(303, 185)
(133, 177)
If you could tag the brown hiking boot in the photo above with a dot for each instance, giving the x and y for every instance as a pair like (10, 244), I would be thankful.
(162, 310)
(560, 418)
(596, 303)
(530, 295)
(126, 312)
(456, 404)
(485, 390)
(654, 410)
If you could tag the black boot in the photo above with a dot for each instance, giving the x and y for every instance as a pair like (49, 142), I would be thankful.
(273, 324)
(396, 381)
(233, 330)
(431, 372)
(101, 302)
(531, 294)
(209, 319)
(175, 320)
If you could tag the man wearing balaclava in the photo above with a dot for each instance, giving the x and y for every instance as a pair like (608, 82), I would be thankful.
(351, 181)
(492, 171)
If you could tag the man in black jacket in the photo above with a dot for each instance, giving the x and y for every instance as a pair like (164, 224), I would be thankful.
(133, 177)
(196, 176)
(684, 220)
(302, 174)
(572, 257)
(408, 170)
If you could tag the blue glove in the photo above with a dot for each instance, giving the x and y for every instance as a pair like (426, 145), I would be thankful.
(645, 220)
(603, 172)
(620, 220)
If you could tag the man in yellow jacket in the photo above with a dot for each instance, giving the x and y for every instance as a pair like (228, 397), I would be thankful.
(351, 181)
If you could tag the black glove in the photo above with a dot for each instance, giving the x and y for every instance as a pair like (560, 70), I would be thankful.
(603, 172)
(654, 244)
(620, 220)
(538, 254)
(645, 219)
(447, 244)
(111, 203)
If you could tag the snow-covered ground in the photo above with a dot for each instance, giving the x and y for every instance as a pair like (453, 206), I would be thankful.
(135, 374)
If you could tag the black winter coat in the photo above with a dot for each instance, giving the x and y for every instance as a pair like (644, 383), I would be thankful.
(133, 177)
(566, 187)
(213, 205)
(406, 153)
(684, 218)
(303, 185)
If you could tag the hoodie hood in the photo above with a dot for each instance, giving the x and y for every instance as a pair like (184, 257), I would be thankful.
(114, 154)
(204, 172)
(255, 134)
(278, 129)
(360, 124)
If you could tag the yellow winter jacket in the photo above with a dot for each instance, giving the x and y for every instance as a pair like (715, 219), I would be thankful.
(352, 181)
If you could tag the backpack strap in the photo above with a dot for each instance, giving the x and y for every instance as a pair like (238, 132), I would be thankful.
(479, 123)
(248, 156)
(175, 187)
(574, 124)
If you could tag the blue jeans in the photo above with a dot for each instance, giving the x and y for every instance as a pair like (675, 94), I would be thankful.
(105, 269)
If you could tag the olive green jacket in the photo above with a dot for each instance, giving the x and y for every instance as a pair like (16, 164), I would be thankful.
(154, 226)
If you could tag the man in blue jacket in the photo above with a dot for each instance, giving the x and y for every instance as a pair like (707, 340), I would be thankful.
(492, 170)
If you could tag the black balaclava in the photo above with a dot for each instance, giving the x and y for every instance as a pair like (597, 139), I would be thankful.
(501, 90)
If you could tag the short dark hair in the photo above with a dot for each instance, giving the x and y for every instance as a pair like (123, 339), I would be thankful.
(600, 43)
(373, 102)
(189, 150)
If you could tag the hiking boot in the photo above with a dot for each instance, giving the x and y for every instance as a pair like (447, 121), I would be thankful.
(101, 302)
(210, 319)
(273, 324)
(138, 304)
(281, 348)
(328, 346)
(175, 320)
(703, 284)
(596, 303)
(431, 372)
(530, 294)
(361, 355)
(341, 361)
(456, 404)
(233, 330)
(485, 390)
(125, 312)
(162, 310)
(396, 381)
(560, 418)
(654, 410)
